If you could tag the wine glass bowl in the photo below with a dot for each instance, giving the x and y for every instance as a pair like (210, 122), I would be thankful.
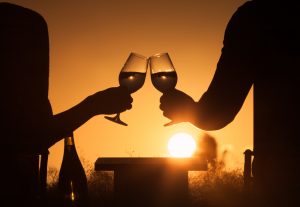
(132, 76)
(133, 73)
(163, 74)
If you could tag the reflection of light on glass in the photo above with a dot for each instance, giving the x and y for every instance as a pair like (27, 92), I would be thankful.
(72, 192)
(181, 145)
(72, 196)
(131, 77)
(164, 77)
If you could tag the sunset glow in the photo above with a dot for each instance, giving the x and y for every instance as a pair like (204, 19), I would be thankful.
(181, 145)
(89, 44)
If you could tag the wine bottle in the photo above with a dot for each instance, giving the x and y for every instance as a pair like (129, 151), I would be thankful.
(72, 181)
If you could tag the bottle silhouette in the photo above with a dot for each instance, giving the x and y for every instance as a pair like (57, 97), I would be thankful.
(72, 181)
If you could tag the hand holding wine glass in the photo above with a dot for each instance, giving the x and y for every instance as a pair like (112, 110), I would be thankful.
(163, 74)
(132, 76)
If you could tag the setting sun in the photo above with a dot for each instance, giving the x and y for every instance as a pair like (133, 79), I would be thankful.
(181, 145)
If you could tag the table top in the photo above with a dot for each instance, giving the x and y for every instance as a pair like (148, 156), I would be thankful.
(115, 163)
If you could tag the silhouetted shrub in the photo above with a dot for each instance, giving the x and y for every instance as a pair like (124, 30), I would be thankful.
(217, 187)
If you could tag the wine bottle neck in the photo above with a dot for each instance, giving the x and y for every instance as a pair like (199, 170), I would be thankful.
(69, 141)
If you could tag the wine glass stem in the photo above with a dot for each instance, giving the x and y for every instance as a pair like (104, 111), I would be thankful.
(117, 117)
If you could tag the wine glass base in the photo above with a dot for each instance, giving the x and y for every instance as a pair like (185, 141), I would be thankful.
(116, 119)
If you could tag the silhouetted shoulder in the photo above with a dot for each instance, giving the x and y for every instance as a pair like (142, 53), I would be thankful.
(241, 24)
(246, 9)
(12, 14)
(249, 5)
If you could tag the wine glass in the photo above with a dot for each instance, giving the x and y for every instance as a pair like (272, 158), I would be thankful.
(163, 74)
(132, 76)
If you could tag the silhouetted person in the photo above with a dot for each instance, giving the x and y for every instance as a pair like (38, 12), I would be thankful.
(261, 49)
(28, 127)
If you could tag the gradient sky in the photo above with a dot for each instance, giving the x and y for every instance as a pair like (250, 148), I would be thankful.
(89, 43)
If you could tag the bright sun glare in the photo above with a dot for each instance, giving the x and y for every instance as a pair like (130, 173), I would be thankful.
(181, 145)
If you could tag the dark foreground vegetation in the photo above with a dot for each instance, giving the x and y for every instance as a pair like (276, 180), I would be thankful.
(216, 187)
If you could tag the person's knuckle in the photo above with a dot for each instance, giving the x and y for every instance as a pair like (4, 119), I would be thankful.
(161, 106)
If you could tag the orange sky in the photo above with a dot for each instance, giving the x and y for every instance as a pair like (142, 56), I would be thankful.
(89, 43)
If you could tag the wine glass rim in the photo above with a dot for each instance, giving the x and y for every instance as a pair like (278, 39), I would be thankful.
(159, 54)
(139, 55)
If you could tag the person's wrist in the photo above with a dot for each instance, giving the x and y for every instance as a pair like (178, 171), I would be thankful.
(192, 112)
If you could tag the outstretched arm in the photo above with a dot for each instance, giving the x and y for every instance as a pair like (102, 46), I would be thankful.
(109, 101)
(47, 132)
(229, 87)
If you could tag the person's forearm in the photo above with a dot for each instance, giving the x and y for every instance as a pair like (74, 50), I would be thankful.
(64, 123)
(208, 117)
(41, 133)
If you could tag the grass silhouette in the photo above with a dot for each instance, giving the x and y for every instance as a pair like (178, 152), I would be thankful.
(217, 188)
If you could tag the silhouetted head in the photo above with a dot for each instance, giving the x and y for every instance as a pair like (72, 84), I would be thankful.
(24, 50)
(12, 14)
